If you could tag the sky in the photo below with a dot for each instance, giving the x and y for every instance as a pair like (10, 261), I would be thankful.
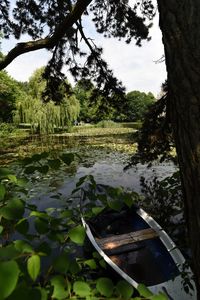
(135, 66)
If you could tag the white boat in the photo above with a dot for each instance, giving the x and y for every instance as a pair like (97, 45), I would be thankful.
(140, 251)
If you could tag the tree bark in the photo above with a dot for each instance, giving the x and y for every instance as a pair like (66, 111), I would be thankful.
(180, 26)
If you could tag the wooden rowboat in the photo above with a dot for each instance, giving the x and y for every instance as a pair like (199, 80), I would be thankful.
(140, 251)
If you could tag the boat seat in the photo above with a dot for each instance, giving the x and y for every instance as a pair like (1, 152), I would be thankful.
(116, 243)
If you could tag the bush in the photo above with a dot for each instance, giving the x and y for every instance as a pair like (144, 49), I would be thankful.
(107, 124)
(6, 128)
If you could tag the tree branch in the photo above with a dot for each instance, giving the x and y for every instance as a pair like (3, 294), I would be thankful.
(47, 42)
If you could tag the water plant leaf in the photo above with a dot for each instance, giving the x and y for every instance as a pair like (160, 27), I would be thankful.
(12, 178)
(30, 169)
(54, 163)
(144, 291)
(77, 234)
(59, 287)
(81, 288)
(9, 273)
(33, 266)
(124, 289)
(4, 172)
(41, 225)
(160, 296)
(2, 191)
(67, 158)
(43, 169)
(13, 210)
(105, 286)
(22, 226)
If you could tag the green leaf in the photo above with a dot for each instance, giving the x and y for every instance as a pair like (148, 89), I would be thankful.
(36, 157)
(1, 229)
(74, 267)
(12, 178)
(77, 234)
(2, 191)
(81, 180)
(33, 266)
(97, 210)
(41, 226)
(81, 288)
(39, 214)
(124, 289)
(23, 246)
(144, 291)
(30, 169)
(8, 252)
(105, 286)
(91, 263)
(13, 210)
(115, 204)
(67, 158)
(128, 200)
(43, 169)
(22, 226)
(4, 172)
(54, 163)
(59, 287)
(160, 296)
(61, 263)
(9, 273)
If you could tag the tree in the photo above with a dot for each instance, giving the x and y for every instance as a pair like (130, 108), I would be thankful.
(45, 117)
(179, 22)
(137, 104)
(10, 92)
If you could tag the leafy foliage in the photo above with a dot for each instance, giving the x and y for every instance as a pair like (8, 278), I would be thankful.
(29, 268)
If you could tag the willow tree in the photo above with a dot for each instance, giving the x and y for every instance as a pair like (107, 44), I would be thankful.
(57, 26)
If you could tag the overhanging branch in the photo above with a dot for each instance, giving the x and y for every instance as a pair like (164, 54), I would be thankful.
(48, 42)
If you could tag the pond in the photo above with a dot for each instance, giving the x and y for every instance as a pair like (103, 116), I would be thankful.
(103, 156)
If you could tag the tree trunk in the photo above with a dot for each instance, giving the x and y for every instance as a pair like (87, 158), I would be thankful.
(180, 26)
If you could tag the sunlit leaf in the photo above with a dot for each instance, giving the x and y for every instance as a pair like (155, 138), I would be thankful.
(81, 288)
(160, 296)
(144, 291)
(59, 287)
(77, 234)
(23, 246)
(105, 286)
(12, 178)
(9, 273)
(33, 266)
(91, 263)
